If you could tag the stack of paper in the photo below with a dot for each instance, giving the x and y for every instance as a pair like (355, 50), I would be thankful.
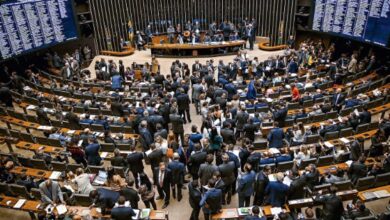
(55, 175)
(20, 203)
(45, 128)
(382, 193)
(276, 210)
(344, 140)
(103, 154)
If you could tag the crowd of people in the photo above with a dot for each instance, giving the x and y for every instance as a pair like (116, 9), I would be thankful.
(218, 158)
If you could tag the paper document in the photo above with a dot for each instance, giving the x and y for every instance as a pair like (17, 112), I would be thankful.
(55, 175)
(103, 154)
(344, 140)
(328, 144)
(61, 209)
(20, 203)
(276, 210)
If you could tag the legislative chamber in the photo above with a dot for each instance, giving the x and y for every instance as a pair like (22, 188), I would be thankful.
(195, 109)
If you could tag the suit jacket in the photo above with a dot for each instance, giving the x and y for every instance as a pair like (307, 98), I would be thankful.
(228, 136)
(122, 213)
(296, 188)
(177, 168)
(241, 119)
(206, 172)
(118, 162)
(332, 206)
(356, 171)
(276, 192)
(134, 161)
(117, 108)
(365, 117)
(183, 101)
(131, 195)
(275, 138)
(338, 99)
(246, 183)
(261, 183)
(167, 178)
(92, 154)
(73, 120)
(195, 161)
(177, 123)
(213, 198)
(51, 195)
(43, 119)
(155, 158)
(147, 138)
(280, 116)
(194, 196)
(106, 199)
(356, 151)
(227, 171)
(220, 185)
(116, 82)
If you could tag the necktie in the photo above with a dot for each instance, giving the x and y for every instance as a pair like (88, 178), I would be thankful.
(161, 179)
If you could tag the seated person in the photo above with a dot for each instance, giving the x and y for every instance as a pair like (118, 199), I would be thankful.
(255, 214)
(86, 120)
(331, 178)
(356, 210)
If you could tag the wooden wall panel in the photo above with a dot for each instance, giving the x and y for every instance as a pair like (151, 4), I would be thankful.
(111, 17)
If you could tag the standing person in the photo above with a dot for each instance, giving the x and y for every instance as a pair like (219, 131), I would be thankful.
(177, 126)
(277, 191)
(216, 143)
(245, 186)
(135, 163)
(42, 117)
(155, 158)
(177, 169)
(195, 161)
(332, 205)
(92, 152)
(261, 184)
(227, 173)
(211, 200)
(275, 136)
(194, 197)
(147, 196)
(104, 198)
(163, 181)
(130, 193)
(207, 170)
(250, 34)
(183, 102)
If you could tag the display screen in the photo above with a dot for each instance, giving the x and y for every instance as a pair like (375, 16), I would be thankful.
(364, 20)
(27, 25)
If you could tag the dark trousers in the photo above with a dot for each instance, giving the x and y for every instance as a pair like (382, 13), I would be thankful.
(244, 201)
(227, 194)
(150, 202)
(259, 199)
(135, 175)
(195, 214)
(181, 135)
(164, 193)
(185, 113)
(251, 43)
(177, 188)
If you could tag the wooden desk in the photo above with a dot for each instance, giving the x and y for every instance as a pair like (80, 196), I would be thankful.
(126, 52)
(35, 147)
(195, 50)
(29, 205)
(227, 214)
(267, 210)
(361, 193)
(265, 46)
(36, 173)
(159, 215)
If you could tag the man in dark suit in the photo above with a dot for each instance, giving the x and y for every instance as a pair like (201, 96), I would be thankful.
(277, 191)
(118, 160)
(275, 137)
(212, 198)
(245, 186)
(92, 152)
(130, 194)
(177, 125)
(196, 67)
(297, 186)
(177, 169)
(227, 134)
(195, 160)
(121, 212)
(219, 184)
(241, 118)
(135, 162)
(155, 157)
(73, 119)
(183, 103)
(261, 182)
(365, 116)
(146, 136)
(338, 100)
(280, 115)
(332, 205)
(356, 149)
(255, 214)
(194, 198)
(163, 180)
(43, 119)
(357, 169)
(227, 170)
(207, 169)
(250, 34)
(104, 198)
(117, 108)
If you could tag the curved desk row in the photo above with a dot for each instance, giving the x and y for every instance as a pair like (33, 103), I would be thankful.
(195, 50)
(126, 52)
(265, 46)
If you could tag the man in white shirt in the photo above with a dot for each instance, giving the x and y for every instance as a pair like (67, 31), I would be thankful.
(83, 182)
